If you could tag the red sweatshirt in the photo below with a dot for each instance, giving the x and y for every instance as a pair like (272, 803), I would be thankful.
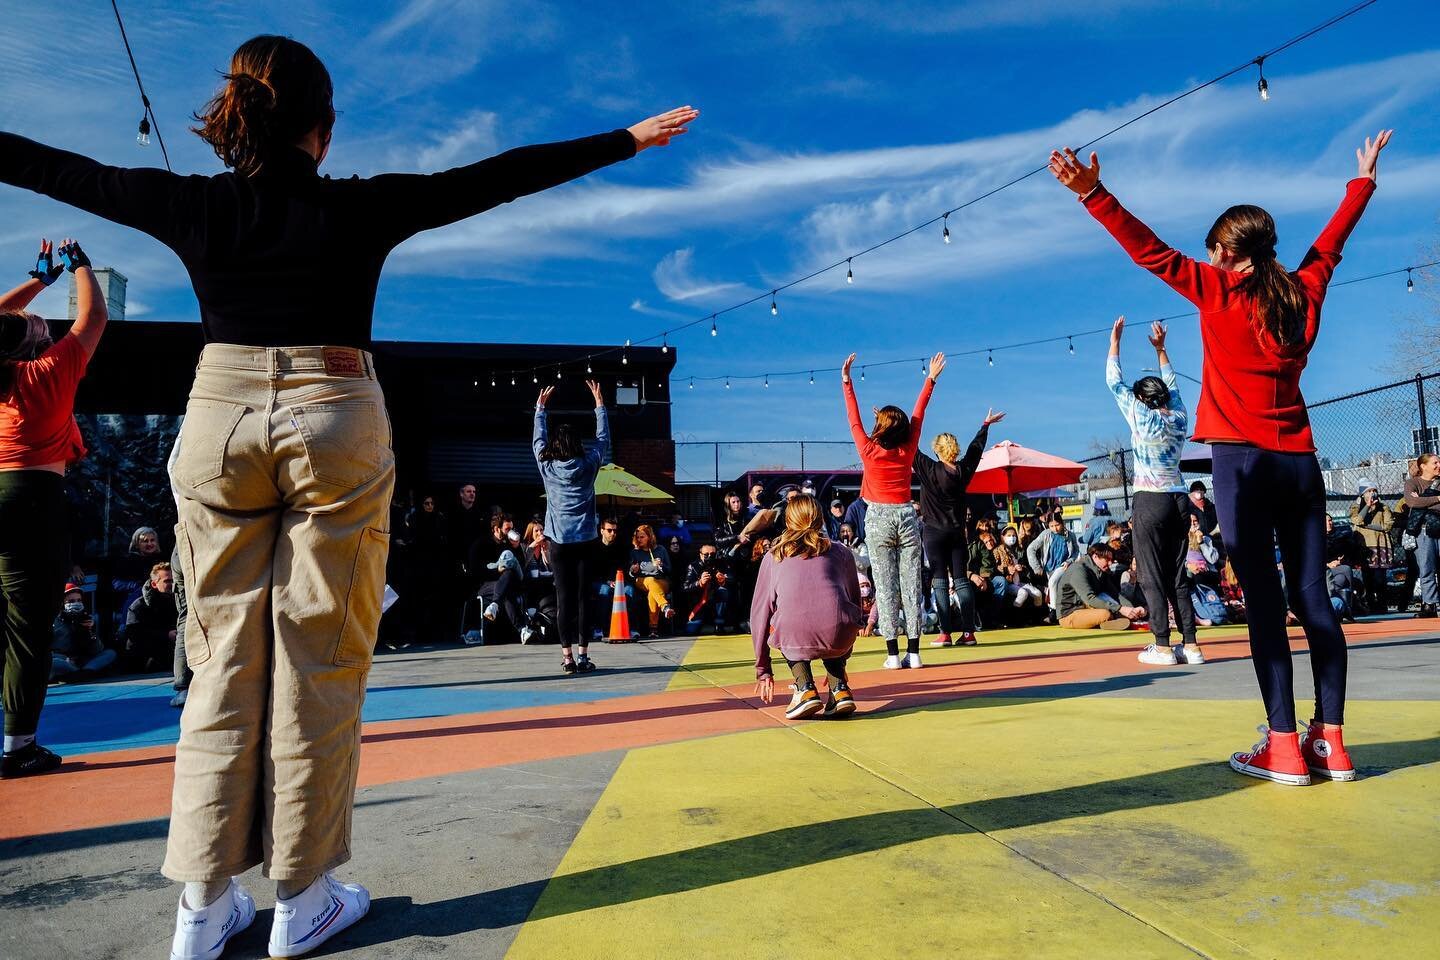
(1250, 389)
(887, 472)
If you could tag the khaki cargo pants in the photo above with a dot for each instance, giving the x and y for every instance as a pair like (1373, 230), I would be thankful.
(283, 478)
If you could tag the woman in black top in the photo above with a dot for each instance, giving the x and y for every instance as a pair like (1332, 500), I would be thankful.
(284, 472)
(942, 504)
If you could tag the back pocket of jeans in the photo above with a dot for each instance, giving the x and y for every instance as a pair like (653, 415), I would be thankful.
(197, 642)
(204, 438)
(342, 441)
(356, 645)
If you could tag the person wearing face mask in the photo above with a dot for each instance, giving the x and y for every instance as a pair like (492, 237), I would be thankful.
(39, 440)
(1204, 508)
(707, 589)
(76, 651)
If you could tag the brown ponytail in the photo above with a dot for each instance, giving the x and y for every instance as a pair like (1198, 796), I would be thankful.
(1249, 232)
(276, 92)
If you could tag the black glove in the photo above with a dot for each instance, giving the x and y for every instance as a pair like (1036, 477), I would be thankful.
(73, 257)
(45, 270)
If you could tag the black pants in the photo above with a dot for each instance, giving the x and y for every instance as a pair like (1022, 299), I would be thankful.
(1266, 499)
(835, 667)
(945, 550)
(508, 593)
(34, 546)
(1162, 525)
(571, 562)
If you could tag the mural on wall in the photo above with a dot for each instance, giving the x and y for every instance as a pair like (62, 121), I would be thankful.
(121, 484)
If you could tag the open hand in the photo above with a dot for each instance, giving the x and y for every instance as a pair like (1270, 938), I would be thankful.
(1071, 173)
(1118, 330)
(937, 364)
(845, 369)
(765, 687)
(994, 416)
(595, 392)
(1366, 157)
(544, 396)
(657, 131)
(45, 270)
(1157, 335)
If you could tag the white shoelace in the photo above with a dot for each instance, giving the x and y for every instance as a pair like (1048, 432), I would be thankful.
(1264, 731)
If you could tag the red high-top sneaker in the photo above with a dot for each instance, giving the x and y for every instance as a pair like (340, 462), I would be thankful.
(1277, 758)
(1325, 754)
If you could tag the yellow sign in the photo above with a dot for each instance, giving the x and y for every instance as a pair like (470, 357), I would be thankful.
(1072, 511)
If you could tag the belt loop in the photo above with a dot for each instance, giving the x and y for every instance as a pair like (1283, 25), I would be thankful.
(272, 358)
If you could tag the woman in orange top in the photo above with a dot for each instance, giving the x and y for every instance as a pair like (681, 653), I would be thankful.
(38, 440)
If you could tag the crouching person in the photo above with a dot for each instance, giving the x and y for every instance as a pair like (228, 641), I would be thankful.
(1086, 594)
(807, 606)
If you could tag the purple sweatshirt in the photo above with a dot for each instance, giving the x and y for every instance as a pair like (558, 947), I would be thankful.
(808, 608)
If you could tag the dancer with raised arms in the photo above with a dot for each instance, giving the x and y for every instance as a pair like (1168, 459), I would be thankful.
(1258, 322)
(285, 471)
(892, 530)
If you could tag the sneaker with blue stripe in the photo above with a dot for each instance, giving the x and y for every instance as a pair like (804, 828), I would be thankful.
(202, 934)
(316, 914)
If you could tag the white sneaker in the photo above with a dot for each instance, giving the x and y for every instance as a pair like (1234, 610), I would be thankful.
(315, 915)
(1189, 656)
(202, 934)
(1159, 656)
(893, 663)
(526, 633)
(492, 611)
(912, 661)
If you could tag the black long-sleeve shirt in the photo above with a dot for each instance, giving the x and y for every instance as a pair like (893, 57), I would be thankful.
(942, 491)
(288, 257)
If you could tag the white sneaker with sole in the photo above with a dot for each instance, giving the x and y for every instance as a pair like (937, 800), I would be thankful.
(202, 934)
(893, 663)
(526, 633)
(912, 661)
(315, 915)
(492, 611)
(1189, 656)
(1159, 656)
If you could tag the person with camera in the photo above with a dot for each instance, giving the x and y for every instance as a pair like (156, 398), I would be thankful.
(76, 652)
(1372, 522)
(707, 589)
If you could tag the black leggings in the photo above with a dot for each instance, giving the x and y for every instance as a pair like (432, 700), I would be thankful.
(571, 562)
(835, 667)
(1267, 499)
(945, 549)
(1162, 525)
(34, 547)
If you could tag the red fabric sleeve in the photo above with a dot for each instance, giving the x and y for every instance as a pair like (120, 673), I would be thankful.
(1195, 281)
(852, 410)
(1321, 259)
(917, 416)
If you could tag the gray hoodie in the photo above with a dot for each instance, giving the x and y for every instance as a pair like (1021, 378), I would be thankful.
(570, 484)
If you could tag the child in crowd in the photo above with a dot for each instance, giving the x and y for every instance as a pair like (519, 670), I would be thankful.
(807, 606)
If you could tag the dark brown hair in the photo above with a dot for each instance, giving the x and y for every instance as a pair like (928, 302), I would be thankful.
(275, 93)
(1249, 232)
(23, 336)
(563, 444)
(892, 427)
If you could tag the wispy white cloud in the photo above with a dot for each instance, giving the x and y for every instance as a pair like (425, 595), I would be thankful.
(675, 278)
(474, 136)
(928, 16)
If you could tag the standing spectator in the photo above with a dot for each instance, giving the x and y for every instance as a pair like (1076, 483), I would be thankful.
(76, 652)
(851, 539)
(568, 471)
(678, 529)
(428, 534)
(1372, 522)
(1422, 521)
(468, 524)
(892, 530)
(707, 590)
(1050, 554)
(834, 518)
(149, 633)
(757, 499)
(1086, 600)
(650, 564)
(1095, 528)
(39, 440)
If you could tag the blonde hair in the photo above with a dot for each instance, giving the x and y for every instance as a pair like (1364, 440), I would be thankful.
(646, 529)
(804, 532)
(946, 447)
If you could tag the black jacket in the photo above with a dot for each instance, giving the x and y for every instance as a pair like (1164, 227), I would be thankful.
(942, 490)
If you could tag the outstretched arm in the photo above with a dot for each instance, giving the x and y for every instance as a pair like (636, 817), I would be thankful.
(976, 450)
(602, 423)
(852, 405)
(44, 274)
(540, 437)
(917, 415)
(1158, 332)
(91, 314)
(1114, 378)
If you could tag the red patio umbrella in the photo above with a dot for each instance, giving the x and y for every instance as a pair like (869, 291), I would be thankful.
(1011, 469)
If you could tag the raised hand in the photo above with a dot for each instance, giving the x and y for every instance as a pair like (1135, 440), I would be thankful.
(937, 364)
(845, 369)
(994, 416)
(1071, 173)
(72, 256)
(1117, 331)
(595, 392)
(45, 270)
(657, 131)
(544, 396)
(1157, 335)
(1366, 157)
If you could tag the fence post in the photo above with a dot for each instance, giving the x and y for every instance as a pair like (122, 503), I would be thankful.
(1424, 426)
(802, 456)
(717, 464)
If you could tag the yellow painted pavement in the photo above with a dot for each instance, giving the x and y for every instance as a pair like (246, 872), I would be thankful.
(1107, 827)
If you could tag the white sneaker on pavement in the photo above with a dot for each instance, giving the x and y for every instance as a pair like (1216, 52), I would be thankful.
(1189, 656)
(202, 934)
(912, 661)
(893, 663)
(316, 914)
(1159, 656)
(492, 611)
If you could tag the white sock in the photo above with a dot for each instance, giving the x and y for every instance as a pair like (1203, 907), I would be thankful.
(18, 741)
(199, 895)
(290, 889)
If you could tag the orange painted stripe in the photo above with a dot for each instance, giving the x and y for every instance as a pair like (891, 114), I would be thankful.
(126, 785)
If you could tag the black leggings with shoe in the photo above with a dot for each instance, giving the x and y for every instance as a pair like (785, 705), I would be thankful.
(1162, 525)
(34, 547)
(946, 552)
(834, 667)
(571, 563)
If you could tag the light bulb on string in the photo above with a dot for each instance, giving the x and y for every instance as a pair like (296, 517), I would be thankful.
(664, 343)
(945, 233)
(990, 357)
(862, 374)
(476, 383)
(692, 383)
(812, 378)
(534, 378)
(625, 354)
(774, 307)
(767, 381)
(1409, 281)
(714, 330)
(727, 383)
(1262, 86)
(143, 137)
(557, 373)
(492, 381)
(849, 273)
(922, 366)
(512, 379)
(1071, 341)
(587, 366)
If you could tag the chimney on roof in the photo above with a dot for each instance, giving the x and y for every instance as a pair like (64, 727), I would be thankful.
(112, 288)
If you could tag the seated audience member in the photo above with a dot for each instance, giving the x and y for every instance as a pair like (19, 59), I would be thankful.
(975, 593)
(483, 553)
(651, 566)
(75, 652)
(612, 555)
(1203, 507)
(1084, 600)
(1012, 573)
(1119, 540)
(130, 573)
(504, 597)
(855, 516)
(676, 529)
(707, 590)
(1202, 559)
(1050, 554)
(539, 588)
(851, 539)
(677, 550)
(149, 633)
(1231, 594)
(1344, 586)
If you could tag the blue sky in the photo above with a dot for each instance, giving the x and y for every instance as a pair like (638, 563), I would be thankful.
(825, 127)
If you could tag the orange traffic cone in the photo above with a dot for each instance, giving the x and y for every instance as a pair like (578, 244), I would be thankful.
(619, 612)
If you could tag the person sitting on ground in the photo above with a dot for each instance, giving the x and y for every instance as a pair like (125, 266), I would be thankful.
(707, 590)
(650, 565)
(855, 516)
(75, 652)
(851, 539)
(1050, 554)
(1342, 582)
(1204, 508)
(131, 572)
(1084, 600)
(1096, 528)
(1011, 573)
(1202, 559)
(1118, 539)
(149, 634)
(1372, 522)
(504, 596)
(807, 606)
